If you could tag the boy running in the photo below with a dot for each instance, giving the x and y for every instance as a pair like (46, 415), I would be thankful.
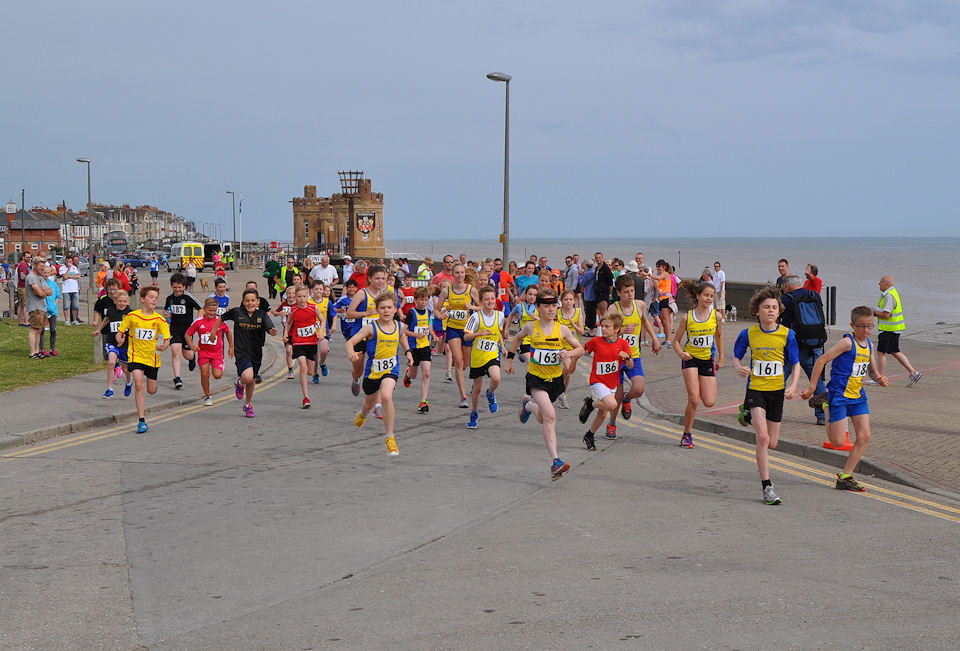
(250, 329)
(418, 325)
(220, 293)
(852, 360)
(209, 350)
(485, 330)
(319, 299)
(149, 336)
(113, 315)
(300, 331)
(283, 311)
(544, 381)
(178, 308)
(772, 346)
(610, 353)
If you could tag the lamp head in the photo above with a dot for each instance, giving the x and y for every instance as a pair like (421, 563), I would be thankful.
(83, 160)
(499, 76)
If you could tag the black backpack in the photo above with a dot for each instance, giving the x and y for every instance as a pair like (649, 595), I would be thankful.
(807, 320)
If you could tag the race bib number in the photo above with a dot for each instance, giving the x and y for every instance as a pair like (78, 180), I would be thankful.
(860, 370)
(348, 320)
(702, 341)
(383, 365)
(205, 339)
(485, 345)
(545, 357)
(421, 331)
(145, 334)
(632, 339)
(459, 315)
(221, 310)
(307, 331)
(606, 368)
(408, 299)
(767, 369)
(178, 309)
(114, 326)
(369, 319)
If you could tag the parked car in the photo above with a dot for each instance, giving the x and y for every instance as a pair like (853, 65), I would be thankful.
(133, 260)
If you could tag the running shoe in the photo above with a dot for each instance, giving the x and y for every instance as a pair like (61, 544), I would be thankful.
(914, 378)
(238, 389)
(585, 409)
(686, 441)
(54, 353)
(248, 410)
(306, 403)
(563, 401)
(177, 383)
(323, 370)
(492, 401)
(558, 468)
(107, 394)
(127, 389)
(848, 483)
(626, 409)
(355, 388)
(448, 378)
(474, 417)
(406, 380)
(769, 497)
(611, 432)
(743, 416)
(589, 442)
(378, 411)
(423, 407)
(392, 446)
(316, 379)
(818, 401)
(464, 403)
(524, 414)
(208, 401)
(192, 364)
(289, 373)
(142, 427)
(359, 419)
(117, 372)
(821, 422)
(257, 379)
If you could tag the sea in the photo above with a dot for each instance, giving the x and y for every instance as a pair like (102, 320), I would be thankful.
(920, 266)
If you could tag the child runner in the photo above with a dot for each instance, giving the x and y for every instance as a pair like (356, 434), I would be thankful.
(485, 330)
(149, 335)
(610, 353)
(220, 293)
(348, 327)
(457, 298)
(209, 350)
(178, 309)
(544, 381)
(116, 354)
(154, 271)
(852, 360)
(634, 315)
(300, 331)
(523, 313)
(383, 341)
(407, 292)
(106, 301)
(771, 345)
(283, 311)
(571, 316)
(251, 325)
(418, 324)
(702, 353)
(362, 307)
(322, 303)
(439, 321)
(664, 280)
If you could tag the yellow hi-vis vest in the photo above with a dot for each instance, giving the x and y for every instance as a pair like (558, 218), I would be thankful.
(895, 322)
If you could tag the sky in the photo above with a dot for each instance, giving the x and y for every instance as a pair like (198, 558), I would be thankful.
(699, 118)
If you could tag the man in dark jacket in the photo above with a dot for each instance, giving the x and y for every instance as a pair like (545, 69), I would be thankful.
(793, 291)
(603, 283)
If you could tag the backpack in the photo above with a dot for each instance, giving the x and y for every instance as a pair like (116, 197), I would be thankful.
(807, 321)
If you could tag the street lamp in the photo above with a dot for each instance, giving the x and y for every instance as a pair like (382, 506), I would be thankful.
(233, 200)
(505, 236)
(90, 269)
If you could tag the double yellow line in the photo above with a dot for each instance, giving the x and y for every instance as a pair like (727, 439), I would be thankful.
(809, 473)
(127, 428)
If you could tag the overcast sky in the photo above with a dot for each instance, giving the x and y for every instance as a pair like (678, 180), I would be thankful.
(674, 118)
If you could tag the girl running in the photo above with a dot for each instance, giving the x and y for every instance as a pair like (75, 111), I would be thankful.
(362, 307)
(457, 297)
(571, 316)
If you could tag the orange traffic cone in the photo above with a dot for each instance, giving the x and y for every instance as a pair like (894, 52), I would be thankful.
(847, 445)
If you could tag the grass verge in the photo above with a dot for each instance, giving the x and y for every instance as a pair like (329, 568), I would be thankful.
(74, 345)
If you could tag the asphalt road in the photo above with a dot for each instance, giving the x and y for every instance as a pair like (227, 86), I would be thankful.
(295, 530)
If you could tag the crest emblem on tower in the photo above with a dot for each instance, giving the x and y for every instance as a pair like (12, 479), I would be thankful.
(366, 222)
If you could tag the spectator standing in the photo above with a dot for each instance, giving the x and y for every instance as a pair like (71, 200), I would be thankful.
(271, 271)
(720, 285)
(22, 271)
(813, 282)
(425, 270)
(588, 287)
(53, 309)
(809, 350)
(571, 274)
(603, 283)
(71, 290)
(889, 313)
(446, 273)
(784, 268)
(37, 291)
(348, 268)
(325, 272)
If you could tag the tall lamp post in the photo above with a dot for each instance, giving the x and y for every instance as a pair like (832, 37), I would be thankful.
(233, 201)
(91, 271)
(505, 236)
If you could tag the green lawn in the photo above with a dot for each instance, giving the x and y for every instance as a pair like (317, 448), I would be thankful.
(74, 345)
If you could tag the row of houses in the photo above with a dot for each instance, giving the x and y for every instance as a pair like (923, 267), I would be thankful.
(45, 230)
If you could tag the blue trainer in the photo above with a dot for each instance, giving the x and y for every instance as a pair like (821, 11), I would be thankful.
(323, 369)
(558, 468)
(524, 414)
(107, 394)
(472, 423)
(316, 379)
(142, 427)
(492, 399)
(127, 388)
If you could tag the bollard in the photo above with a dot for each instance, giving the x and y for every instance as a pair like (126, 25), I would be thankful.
(98, 349)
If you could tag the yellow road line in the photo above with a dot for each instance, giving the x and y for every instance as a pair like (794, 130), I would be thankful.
(72, 441)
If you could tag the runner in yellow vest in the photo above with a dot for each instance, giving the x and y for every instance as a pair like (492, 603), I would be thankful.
(889, 313)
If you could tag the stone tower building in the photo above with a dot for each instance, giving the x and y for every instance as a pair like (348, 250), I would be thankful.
(349, 222)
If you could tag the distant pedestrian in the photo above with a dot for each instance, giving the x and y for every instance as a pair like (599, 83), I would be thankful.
(21, 271)
(720, 285)
(70, 272)
(37, 291)
(784, 268)
(53, 310)
(889, 313)
(812, 282)
(348, 269)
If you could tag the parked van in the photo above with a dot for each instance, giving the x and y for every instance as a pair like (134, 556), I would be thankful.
(209, 248)
(181, 252)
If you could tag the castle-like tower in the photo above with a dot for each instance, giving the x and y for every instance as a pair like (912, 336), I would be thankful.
(348, 222)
